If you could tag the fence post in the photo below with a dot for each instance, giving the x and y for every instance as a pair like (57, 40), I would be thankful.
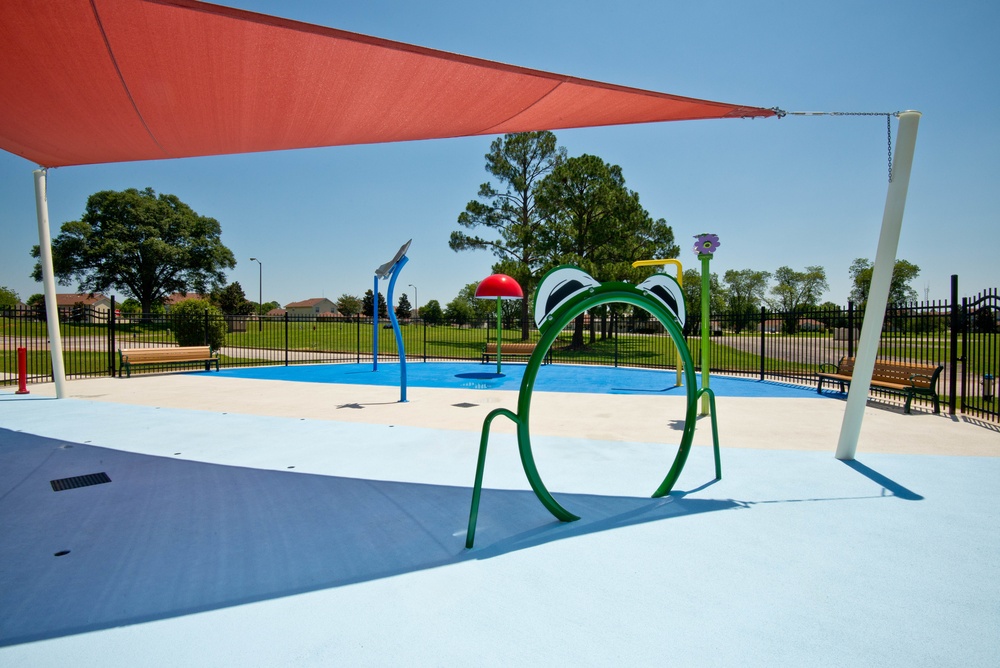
(286, 338)
(850, 329)
(763, 319)
(357, 337)
(963, 326)
(424, 323)
(953, 347)
(614, 333)
(111, 339)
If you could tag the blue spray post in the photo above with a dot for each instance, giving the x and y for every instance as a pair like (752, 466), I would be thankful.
(391, 269)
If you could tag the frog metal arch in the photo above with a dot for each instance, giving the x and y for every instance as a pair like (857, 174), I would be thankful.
(563, 294)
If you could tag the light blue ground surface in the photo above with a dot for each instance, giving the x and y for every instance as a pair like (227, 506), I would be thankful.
(207, 548)
(551, 378)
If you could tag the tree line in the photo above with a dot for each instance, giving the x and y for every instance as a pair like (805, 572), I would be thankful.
(543, 209)
(540, 209)
(742, 293)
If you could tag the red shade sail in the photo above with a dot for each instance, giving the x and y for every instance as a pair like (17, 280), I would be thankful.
(499, 285)
(94, 81)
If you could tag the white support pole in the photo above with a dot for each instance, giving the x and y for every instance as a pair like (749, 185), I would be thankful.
(49, 281)
(878, 294)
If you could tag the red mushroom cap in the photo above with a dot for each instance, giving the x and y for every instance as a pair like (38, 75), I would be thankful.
(499, 285)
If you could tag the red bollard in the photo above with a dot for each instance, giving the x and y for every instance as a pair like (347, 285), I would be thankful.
(22, 371)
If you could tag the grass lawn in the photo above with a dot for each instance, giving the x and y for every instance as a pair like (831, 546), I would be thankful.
(83, 343)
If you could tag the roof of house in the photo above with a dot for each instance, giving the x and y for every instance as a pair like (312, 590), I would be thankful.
(179, 297)
(74, 298)
(308, 303)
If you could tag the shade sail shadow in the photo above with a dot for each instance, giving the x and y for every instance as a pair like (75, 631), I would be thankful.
(170, 537)
(889, 485)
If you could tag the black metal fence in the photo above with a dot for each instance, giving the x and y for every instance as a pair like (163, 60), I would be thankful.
(961, 336)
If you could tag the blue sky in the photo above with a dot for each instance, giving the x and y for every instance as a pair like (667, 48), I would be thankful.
(795, 191)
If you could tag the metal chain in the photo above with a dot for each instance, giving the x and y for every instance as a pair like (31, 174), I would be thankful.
(888, 132)
(780, 113)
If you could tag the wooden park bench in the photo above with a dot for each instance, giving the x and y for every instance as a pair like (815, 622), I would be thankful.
(523, 349)
(896, 377)
(168, 355)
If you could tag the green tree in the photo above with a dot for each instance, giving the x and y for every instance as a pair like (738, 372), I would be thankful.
(745, 290)
(431, 313)
(349, 305)
(832, 315)
(139, 243)
(367, 305)
(130, 306)
(985, 320)
(515, 311)
(795, 291)
(512, 313)
(231, 300)
(900, 290)
(692, 298)
(403, 308)
(459, 312)
(595, 222)
(508, 214)
(265, 309)
(37, 302)
(190, 327)
(8, 298)
(465, 308)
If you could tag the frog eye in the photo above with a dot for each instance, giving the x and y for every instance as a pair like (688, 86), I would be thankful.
(667, 290)
(557, 287)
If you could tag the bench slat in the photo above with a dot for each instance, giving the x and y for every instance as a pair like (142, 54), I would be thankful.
(901, 377)
(166, 355)
(514, 349)
(518, 348)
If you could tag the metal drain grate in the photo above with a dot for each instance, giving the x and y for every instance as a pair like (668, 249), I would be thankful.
(465, 404)
(79, 481)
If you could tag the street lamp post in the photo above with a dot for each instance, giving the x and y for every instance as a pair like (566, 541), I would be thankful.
(416, 300)
(260, 293)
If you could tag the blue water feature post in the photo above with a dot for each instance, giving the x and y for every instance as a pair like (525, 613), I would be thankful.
(391, 271)
(395, 328)
(375, 325)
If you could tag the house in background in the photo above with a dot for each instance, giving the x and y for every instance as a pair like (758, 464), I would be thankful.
(803, 324)
(313, 307)
(177, 298)
(810, 325)
(79, 307)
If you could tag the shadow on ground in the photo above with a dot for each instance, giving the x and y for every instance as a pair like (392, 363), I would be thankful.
(172, 537)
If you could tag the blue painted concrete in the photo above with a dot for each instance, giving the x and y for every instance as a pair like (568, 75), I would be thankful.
(355, 556)
(551, 378)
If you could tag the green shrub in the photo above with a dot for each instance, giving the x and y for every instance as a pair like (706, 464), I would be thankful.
(188, 321)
